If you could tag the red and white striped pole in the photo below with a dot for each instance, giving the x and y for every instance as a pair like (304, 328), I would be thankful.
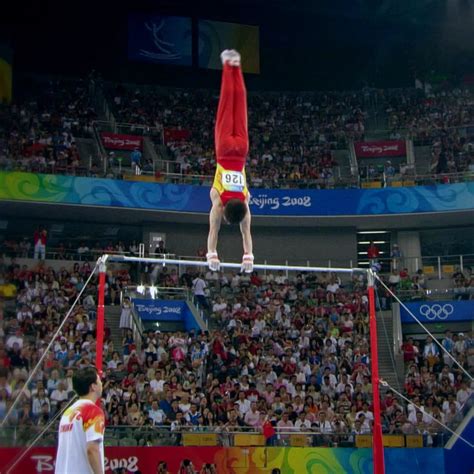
(377, 444)
(100, 316)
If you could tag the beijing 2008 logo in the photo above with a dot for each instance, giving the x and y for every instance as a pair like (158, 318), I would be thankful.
(436, 311)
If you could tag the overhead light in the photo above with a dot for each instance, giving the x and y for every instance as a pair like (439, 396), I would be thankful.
(111, 231)
(374, 232)
(57, 228)
(367, 242)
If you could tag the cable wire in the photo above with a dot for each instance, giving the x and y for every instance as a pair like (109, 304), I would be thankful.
(40, 435)
(403, 305)
(46, 351)
(386, 384)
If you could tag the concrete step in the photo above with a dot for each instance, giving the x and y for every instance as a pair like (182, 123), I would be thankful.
(112, 314)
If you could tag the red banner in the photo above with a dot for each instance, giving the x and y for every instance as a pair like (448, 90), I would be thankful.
(118, 141)
(133, 459)
(175, 135)
(380, 149)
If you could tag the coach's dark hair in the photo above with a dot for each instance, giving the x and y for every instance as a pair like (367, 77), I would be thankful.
(234, 211)
(83, 379)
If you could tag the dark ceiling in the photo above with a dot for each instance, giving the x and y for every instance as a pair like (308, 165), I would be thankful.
(303, 44)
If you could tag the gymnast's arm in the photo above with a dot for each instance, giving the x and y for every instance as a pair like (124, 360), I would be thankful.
(215, 219)
(246, 233)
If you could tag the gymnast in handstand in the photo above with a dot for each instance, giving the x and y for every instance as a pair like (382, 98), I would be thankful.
(229, 193)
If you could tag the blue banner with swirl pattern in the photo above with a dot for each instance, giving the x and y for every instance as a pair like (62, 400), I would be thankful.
(264, 202)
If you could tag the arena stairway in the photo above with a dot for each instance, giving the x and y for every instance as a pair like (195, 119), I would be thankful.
(389, 363)
(88, 152)
(112, 318)
(422, 159)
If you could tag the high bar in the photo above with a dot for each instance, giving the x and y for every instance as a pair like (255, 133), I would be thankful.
(238, 266)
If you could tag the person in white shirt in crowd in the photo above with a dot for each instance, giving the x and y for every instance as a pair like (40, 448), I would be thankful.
(252, 417)
(365, 423)
(212, 278)
(15, 341)
(431, 352)
(158, 382)
(369, 416)
(219, 306)
(199, 291)
(24, 313)
(284, 426)
(303, 423)
(460, 346)
(359, 428)
(59, 394)
(463, 393)
(394, 278)
(280, 279)
(243, 403)
(156, 414)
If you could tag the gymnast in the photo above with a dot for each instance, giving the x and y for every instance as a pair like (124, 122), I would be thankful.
(229, 193)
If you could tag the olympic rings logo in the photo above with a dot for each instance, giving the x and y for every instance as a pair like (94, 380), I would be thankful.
(436, 311)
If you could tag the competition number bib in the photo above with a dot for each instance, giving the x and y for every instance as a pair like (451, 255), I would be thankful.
(233, 181)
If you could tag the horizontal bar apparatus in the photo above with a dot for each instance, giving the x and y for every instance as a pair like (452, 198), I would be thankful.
(197, 263)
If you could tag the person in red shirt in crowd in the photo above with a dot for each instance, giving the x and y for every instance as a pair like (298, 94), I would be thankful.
(255, 279)
(410, 351)
(4, 359)
(373, 252)
(404, 273)
(387, 401)
(39, 238)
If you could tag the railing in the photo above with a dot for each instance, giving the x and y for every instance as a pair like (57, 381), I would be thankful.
(154, 174)
(418, 140)
(59, 253)
(189, 435)
(156, 292)
(436, 266)
(124, 128)
(166, 172)
(100, 148)
(137, 328)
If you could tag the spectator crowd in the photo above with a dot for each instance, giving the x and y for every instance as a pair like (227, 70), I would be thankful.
(38, 130)
(283, 355)
(294, 137)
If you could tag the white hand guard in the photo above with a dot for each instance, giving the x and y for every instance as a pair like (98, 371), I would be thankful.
(247, 263)
(213, 261)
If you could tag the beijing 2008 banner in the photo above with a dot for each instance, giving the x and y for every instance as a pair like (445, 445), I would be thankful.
(238, 460)
(160, 39)
(117, 141)
(215, 36)
(380, 149)
(160, 310)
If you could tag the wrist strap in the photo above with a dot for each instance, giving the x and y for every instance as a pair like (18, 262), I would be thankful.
(211, 255)
(248, 256)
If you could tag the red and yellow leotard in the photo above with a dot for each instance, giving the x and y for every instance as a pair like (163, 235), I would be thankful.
(231, 137)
